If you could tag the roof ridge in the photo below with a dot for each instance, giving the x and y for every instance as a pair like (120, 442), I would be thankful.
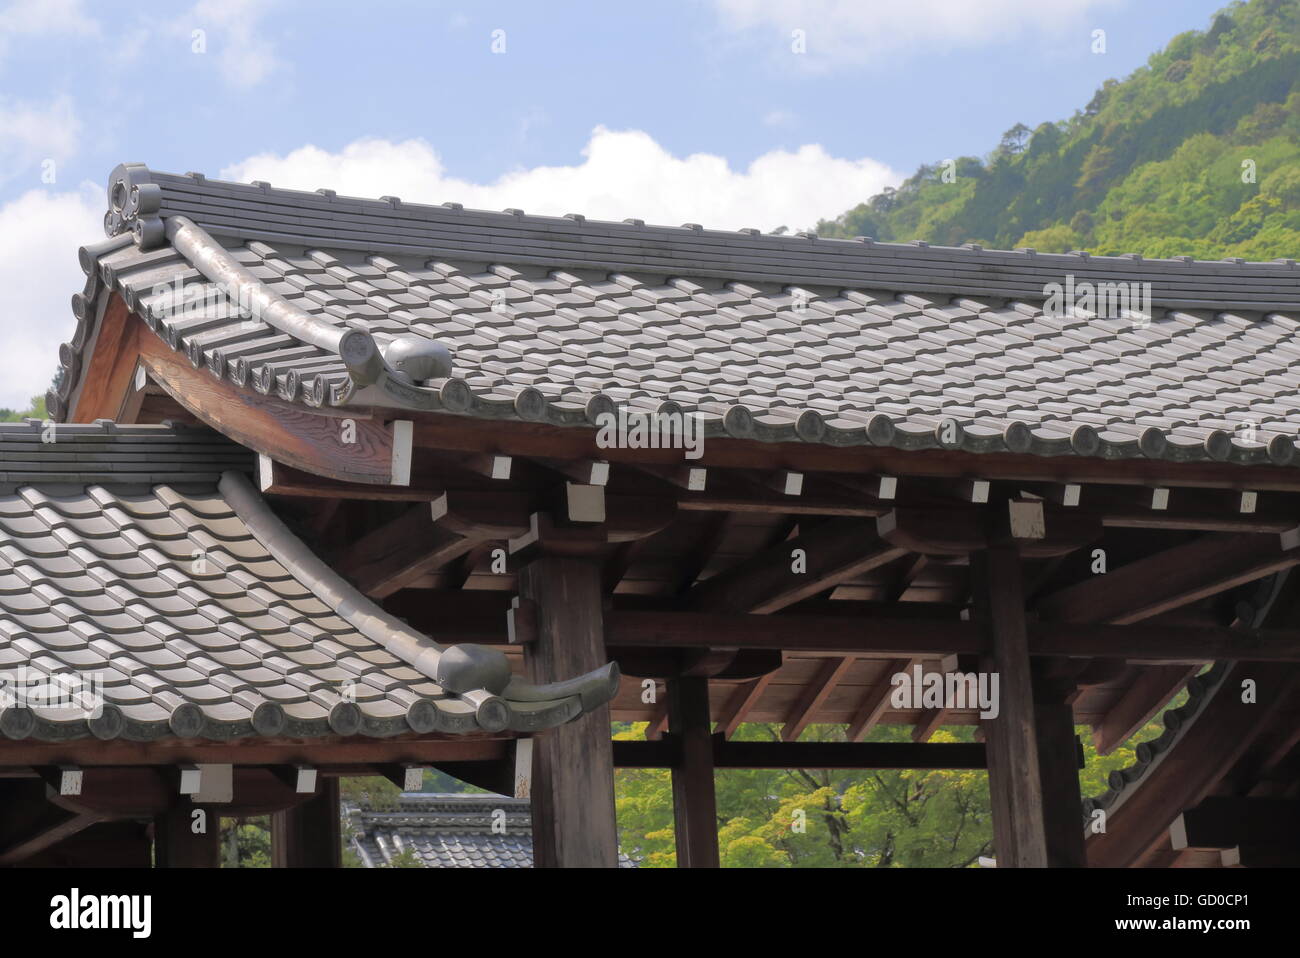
(128, 179)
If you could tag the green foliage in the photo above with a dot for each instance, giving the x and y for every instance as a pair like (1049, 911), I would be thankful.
(404, 859)
(1155, 164)
(912, 818)
(246, 842)
(34, 411)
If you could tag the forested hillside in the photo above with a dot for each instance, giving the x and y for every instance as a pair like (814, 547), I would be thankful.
(1197, 153)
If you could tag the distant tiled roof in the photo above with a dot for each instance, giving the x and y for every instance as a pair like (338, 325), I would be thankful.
(126, 560)
(449, 831)
(558, 319)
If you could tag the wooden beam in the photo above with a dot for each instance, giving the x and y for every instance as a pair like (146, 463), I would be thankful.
(397, 553)
(309, 835)
(833, 552)
(188, 836)
(352, 448)
(744, 698)
(828, 755)
(876, 702)
(937, 532)
(814, 696)
(48, 835)
(108, 376)
(713, 532)
(1154, 686)
(911, 568)
(919, 637)
(929, 722)
(573, 771)
(658, 724)
(1015, 784)
(1170, 579)
(695, 807)
(1059, 760)
(325, 752)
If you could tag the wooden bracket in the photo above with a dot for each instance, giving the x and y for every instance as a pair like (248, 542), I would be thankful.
(521, 621)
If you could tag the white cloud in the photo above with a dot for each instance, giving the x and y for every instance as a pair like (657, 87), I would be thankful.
(32, 18)
(856, 32)
(236, 37)
(30, 135)
(39, 236)
(623, 174)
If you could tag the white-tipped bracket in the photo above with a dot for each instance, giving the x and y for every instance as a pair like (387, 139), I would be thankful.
(70, 780)
(523, 768)
(1247, 503)
(1160, 499)
(888, 488)
(585, 503)
(1027, 519)
(787, 483)
(403, 441)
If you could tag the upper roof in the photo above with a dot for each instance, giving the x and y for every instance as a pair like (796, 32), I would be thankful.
(196, 613)
(557, 319)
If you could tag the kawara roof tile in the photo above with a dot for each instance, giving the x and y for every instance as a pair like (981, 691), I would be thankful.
(448, 831)
(201, 614)
(593, 312)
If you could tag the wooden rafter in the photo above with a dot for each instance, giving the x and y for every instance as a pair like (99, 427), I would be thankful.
(1170, 579)
(834, 552)
(814, 696)
(876, 702)
(400, 551)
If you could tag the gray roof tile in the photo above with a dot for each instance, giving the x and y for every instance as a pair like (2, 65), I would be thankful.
(162, 637)
(712, 320)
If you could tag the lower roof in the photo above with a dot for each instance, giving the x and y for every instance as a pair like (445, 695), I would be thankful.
(188, 609)
(456, 830)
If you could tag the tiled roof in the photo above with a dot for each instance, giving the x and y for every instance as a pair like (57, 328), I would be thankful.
(449, 831)
(554, 319)
(204, 617)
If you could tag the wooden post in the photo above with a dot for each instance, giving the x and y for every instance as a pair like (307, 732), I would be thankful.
(573, 765)
(1015, 783)
(695, 808)
(187, 836)
(309, 835)
(1058, 770)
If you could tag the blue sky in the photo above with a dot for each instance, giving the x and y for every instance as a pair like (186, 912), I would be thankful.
(725, 112)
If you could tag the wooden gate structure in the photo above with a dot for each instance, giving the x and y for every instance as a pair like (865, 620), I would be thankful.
(456, 464)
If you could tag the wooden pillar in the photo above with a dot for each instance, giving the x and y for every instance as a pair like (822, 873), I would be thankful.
(1058, 770)
(695, 807)
(187, 836)
(1015, 782)
(573, 765)
(309, 835)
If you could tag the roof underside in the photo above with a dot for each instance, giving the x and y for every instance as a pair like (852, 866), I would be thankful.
(773, 338)
(186, 609)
